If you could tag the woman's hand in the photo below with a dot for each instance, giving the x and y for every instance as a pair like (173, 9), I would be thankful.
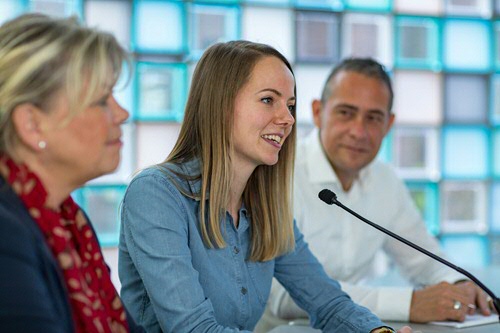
(404, 329)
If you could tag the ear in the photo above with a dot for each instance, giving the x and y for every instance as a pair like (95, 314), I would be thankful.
(317, 106)
(26, 119)
(390, 123)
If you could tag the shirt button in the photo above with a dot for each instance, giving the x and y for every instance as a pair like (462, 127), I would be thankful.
(236, 250)
(244, 291)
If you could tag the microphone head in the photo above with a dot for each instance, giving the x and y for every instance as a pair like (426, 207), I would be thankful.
(327, 196)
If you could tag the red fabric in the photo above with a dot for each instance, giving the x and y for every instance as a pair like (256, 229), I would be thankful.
(95, 303)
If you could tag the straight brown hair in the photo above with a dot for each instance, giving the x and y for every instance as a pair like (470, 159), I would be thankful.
(206, 135)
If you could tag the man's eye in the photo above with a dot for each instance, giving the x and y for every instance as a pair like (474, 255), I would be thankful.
(376, 118)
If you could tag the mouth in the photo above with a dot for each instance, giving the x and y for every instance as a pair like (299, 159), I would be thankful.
(116, 141)
(274, 139)
(355, 149)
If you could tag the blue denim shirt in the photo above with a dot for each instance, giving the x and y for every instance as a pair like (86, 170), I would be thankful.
(172, 282)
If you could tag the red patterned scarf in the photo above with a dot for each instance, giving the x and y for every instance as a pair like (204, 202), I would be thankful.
(95, 303)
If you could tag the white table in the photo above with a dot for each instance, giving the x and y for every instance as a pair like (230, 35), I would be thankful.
(489, 276)
(490, 328)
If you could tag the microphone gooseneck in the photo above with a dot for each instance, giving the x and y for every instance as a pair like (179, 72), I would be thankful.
(330, 198)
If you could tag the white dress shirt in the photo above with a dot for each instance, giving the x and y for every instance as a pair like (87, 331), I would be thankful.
(347, 247)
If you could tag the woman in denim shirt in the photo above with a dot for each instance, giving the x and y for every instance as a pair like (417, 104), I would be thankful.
(204, 232)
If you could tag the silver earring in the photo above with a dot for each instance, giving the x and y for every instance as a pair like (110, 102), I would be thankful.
(42, 144)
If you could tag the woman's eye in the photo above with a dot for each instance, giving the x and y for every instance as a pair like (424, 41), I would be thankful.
(267, 100)
(291, 108)
(103, 101)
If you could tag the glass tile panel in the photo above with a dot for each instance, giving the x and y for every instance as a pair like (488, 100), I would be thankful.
(158, 26)
(112, 16)
(161, 91)
(10, 9)
(477, 8)
(368, 5)
(463, 207)
(495, 152)
(496, 44)
(310, 80)
(466, 251)
(270, 2)
(417, 44)
(367, 35)
(320, 4)
(415, 153)
(418, 97)
(495, 251)
(497, 7)
(467, 45)
(317, 37)
(126, 168)
(102, 204)
(471, 107)
(57, 8)
(226, 2)
(425, 196)
(279, 21)
(385, 151)
(123, 90)
(465, 152)
(154, 142)
(211, 24)
(495, 99)
(422, 7)
(495, 208)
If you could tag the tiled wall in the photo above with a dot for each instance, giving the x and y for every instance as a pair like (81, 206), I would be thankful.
(443, 56)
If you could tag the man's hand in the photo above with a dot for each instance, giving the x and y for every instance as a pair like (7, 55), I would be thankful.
(476, 297)
(446, 301)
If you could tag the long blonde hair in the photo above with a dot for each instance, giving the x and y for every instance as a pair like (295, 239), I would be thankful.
(40, 55)
(206, 135)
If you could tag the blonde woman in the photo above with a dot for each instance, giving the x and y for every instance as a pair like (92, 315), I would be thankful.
(204, 233)
(59, 128)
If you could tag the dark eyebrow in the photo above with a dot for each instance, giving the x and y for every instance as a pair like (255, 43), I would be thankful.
(352, 107)
(344, 105)
(376, 111)
(271, 90)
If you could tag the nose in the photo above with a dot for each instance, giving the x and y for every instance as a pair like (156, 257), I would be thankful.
(358, 128)
(285, 117)
(120, 115)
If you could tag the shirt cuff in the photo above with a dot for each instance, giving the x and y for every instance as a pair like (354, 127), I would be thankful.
(393, 304)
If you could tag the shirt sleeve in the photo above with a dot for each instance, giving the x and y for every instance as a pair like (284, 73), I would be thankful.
(155, 229)
(329, 308)
(387, 303)
(418, 268)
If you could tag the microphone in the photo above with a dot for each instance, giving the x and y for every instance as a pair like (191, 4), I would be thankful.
(331, 198)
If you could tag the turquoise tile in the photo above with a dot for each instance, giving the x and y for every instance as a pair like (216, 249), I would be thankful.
(159, 27)
(465, 152)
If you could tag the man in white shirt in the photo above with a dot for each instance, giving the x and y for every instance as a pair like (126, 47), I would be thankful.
(352, 118)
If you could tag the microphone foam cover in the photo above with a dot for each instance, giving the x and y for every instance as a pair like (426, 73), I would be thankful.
(327, 196)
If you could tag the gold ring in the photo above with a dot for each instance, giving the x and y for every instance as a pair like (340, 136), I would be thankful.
(457, 305)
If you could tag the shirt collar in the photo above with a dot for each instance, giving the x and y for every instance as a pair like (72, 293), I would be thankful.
(319, 169)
